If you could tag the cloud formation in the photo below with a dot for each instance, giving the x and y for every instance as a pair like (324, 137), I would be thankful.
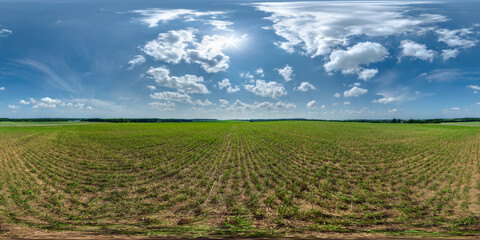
(416, 50)
(266, 89)
(350, 61)
(136, 61)
(172, 96)
(186, 83)
(153, 16)
(286, 72)
(225, 83)
(355, 92)
(312, 104)
(305, 86)
(332, 23)
(177, 45)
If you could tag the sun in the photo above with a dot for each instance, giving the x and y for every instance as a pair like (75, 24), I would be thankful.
(234, 41)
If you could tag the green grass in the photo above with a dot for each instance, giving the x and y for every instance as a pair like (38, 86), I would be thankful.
(462, 123)
(34, 123)
(242, 178)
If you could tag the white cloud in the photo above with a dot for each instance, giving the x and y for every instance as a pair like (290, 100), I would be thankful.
(416, 50)
(168, 106)
(24, 102)
(89, 108)
(332, 23)
(136, 61)
(239, 106)
(393, 110)
(349, 61)
(186, 83)
(5, 32)
(220, 25)
(366, 74)
(2, 88)
(155, 15)
(286, 72)
(455, 108)
(13, 107)
(401, 94)
(173, 46)
(457, 37)
(355, 92)
(312, 104)
(305, 86)
(384, 100)
(209, 53)
(152, 88)
(247, 75)
(172, 96)
(203, 103)
(259, 71)
(449, 53)
(346, 103)
(225, 83)
(337, 95)
(475, 88)
(223, 102)
(323, 106)
(267, 89)
(170, 46)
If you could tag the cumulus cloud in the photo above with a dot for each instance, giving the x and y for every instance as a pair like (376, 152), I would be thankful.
(457, 37)
(154, 16)
(186, 83)
(259, 71)
(2, 88)
(346, 103)
(449, 53)
(384, 100)
(305, 86)
(220, 25)
(13, 107)
(172, 96)
(223, 102)
(177, 45)
(355, 92)
(136, 61)
(455, 108)
(5, 32)
(203, 103)
(170, 46)
(475, 88)
(209, 53)
(416, 50)
(286, 72)
(401, 94)
(225, 83)
(337, 95)
(152, 88)
(332, 23)
(239, 106)
(351, 60)
(266, 89)
(367, 74)
(312, 104)
(52, 103)
(168, 106)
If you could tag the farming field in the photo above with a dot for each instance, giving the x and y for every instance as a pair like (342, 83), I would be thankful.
(229, 178)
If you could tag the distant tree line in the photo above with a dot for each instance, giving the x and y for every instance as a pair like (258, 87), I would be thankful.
(143, 120)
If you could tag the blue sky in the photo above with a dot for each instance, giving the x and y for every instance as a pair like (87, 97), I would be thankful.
(239, 59)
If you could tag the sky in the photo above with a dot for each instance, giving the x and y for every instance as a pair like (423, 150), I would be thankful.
(239, 59)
